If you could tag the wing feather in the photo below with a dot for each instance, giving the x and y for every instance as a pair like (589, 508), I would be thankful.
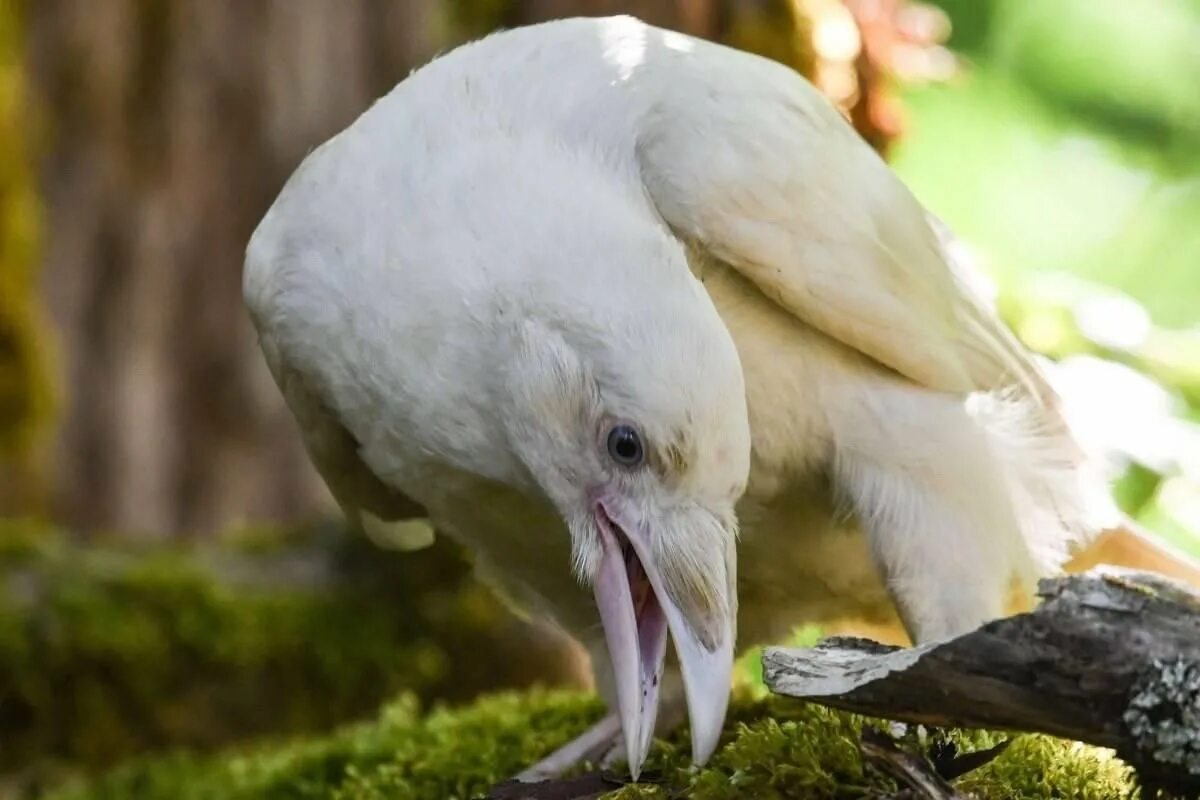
(761, 171)
(386, 515)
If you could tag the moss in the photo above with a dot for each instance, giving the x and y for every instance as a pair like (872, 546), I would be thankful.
(113, 650)
(107, 651)
(1042, 768)
(772, 749)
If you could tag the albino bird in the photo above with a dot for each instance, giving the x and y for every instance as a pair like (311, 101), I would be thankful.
(644, 324)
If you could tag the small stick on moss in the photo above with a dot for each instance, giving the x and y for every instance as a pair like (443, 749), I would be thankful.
(583, 787)
(915, 772)
(960, 765)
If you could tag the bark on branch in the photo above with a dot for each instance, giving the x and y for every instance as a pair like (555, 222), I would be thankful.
(1110, 657)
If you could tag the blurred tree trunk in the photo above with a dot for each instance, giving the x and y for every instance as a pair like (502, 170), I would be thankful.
(171, 127)
(25, 392)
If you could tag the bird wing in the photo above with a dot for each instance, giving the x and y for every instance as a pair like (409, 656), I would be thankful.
(748, 161)
(386, 515)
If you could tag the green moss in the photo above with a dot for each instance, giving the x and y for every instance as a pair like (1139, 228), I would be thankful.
(107, 651)
(772, 749)
(1042, 768)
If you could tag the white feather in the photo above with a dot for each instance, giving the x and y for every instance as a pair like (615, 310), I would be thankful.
(616, 183)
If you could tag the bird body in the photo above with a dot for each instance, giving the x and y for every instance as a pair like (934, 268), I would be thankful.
(596, 228)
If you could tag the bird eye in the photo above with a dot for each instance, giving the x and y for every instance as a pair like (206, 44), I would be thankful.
(625, 446)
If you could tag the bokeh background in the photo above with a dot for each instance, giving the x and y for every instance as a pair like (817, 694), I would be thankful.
(171, 570)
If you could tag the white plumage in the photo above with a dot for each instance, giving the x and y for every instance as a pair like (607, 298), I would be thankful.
(593, 223)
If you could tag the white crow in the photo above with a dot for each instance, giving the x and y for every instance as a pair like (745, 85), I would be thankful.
(644, 324)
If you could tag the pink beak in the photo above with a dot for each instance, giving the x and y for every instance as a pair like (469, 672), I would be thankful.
(637, 614)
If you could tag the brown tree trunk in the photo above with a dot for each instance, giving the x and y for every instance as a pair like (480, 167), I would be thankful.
(173, 125)
(25, 395)
(696, 17)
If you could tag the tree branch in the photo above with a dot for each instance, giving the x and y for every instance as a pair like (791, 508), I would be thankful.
(1110, 657)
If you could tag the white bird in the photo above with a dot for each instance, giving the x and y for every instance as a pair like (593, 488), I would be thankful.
(593, 297)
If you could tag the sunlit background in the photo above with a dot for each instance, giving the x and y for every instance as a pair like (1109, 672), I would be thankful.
(173, 572)
(1067, 155)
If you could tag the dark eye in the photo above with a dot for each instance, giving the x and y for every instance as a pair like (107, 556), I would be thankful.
(625, 446)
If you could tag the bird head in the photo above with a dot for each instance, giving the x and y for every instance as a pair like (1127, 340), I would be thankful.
(625, 401)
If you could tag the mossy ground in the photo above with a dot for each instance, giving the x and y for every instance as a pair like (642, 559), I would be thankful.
(114, 649)
(772, 749)
(163, 653)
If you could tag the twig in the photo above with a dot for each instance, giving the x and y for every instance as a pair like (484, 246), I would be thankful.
(913, 771)
(584, 787)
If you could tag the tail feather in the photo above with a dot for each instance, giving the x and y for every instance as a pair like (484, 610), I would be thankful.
(1058, 493)
(1067, 515)
(1126, 544)
(1130, 545)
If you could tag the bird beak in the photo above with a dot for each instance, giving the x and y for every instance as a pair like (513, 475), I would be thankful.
(637, 611)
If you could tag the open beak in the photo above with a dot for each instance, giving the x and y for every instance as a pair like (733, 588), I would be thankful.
(637, 612)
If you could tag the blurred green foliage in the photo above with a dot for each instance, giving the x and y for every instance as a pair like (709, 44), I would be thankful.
(1072, 143)
(111, 650)
(772, 748)
(1067, 156)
